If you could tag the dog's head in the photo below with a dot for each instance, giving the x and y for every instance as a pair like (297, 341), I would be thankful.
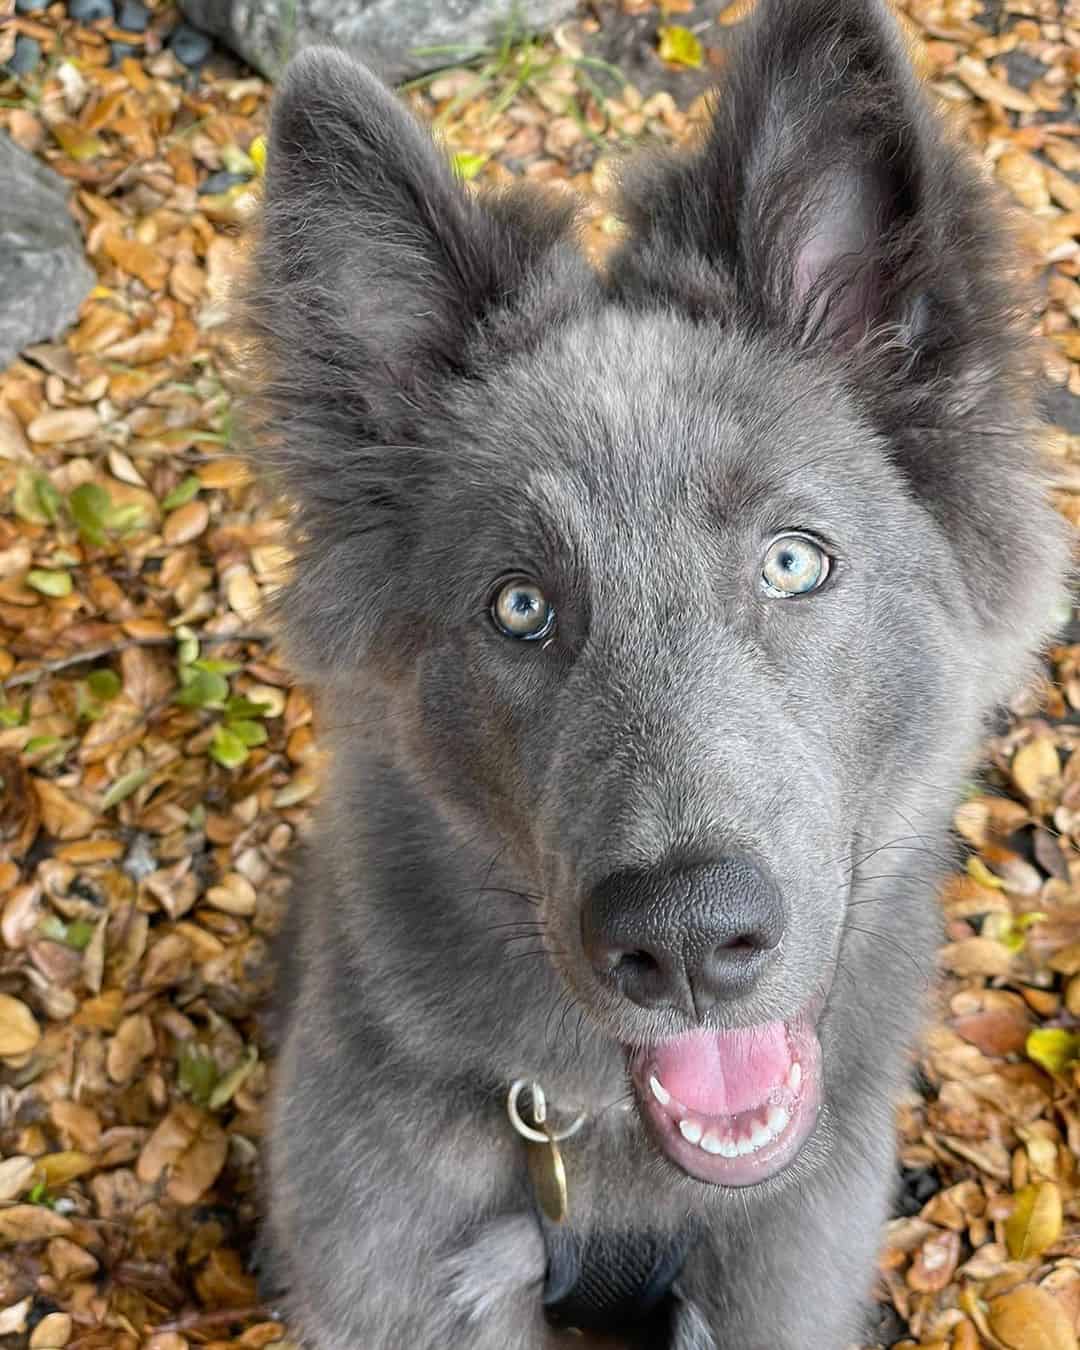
(689, 581)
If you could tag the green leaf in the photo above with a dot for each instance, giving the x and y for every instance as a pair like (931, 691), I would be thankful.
(49, 499)
(238, 706)
(10, 716)
(56, 584)
(218, 667)
(38, 1196)
(104, 684)
(53, 928)
(680, 46)
(203, 689)
(231, 1083)
(89, 505)
(227, 748)
(249, 733)
(236, 161)
(124, 786)
(183, 493)
(196, 1072)
(467, 164)
(79, 933)
(197, 816)
(38, 743)
(126, 519)
(26, 501)
(187, 646)
(1053, 1048)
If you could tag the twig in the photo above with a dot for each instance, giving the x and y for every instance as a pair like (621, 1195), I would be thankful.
(197, 1321)
(115, 648)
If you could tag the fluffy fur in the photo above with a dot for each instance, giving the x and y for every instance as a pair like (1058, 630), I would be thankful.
(809, 326)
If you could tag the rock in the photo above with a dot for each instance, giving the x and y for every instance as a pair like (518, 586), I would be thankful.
(389, 35)
(120, 51)
(133, 17)
(26, 55)
(86, 11)
(188, 45)
(44, 276)
(221, 181)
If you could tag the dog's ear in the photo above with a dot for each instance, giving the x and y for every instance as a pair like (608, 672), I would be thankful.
(814, 196)
(376, 276)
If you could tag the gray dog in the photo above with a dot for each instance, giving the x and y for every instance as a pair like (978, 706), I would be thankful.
(655, 616)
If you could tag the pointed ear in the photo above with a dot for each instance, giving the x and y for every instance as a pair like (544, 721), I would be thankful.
(375, 268)
(375, 279)
(811, 194)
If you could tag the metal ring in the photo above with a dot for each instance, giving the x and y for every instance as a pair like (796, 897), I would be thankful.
(527, 1131)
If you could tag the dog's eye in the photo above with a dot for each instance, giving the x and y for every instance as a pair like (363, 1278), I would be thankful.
(794, 565)
(520, 609)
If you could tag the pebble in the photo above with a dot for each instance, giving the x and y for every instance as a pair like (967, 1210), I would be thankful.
(26, 55)
(28, 6)
(134, 17)
(86, 11)
(189, 46)
(221, 181)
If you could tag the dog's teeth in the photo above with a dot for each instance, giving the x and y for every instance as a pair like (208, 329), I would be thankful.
(662, 1095)
(777, 1120)
(743, 1147)
(760, 1136)
(690, 1131)
(712, 1144)
(795, 1076)
(720, 1144)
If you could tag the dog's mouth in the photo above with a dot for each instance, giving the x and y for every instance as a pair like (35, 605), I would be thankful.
(732, 1108)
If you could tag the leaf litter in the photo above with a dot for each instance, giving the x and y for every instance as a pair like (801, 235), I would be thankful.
(158, 762)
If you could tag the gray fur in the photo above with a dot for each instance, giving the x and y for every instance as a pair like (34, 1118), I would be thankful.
(810, 327)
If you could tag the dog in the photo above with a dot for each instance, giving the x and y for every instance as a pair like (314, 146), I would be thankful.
(655, 614)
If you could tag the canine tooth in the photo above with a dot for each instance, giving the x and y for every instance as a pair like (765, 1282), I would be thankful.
(712, 1144)
(795, 1076)
(690, 1131)
(662, 1095)
(760, 1136)
(777, 1119)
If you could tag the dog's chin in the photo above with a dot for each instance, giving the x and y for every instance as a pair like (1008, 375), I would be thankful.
(732, 1108)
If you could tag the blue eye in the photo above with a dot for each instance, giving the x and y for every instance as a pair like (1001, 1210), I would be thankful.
(521, 610)
(794, 565)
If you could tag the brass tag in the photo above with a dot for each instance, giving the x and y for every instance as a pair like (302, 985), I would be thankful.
(548, 1176)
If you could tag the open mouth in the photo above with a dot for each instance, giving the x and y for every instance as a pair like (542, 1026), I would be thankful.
(732, 1107)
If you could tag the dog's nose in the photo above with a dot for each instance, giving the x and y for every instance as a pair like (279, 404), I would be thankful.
(686, 938)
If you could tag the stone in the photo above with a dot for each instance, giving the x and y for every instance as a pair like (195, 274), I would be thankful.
(26, 55)
(87, 11)
(189, 46)
(44, 276)
(133, 16)
(393, 37)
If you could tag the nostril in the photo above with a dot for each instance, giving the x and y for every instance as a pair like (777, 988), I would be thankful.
(637, 963)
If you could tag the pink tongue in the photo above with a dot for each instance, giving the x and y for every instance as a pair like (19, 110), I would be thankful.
(721, 1073)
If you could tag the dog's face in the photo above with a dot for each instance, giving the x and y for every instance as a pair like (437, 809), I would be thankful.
(675, 578)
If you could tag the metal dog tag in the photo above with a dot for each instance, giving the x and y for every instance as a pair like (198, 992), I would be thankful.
(548, 1176)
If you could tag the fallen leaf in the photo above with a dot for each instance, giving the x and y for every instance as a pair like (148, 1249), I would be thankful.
(1029, 1318)
(19, 1030)
(1035, 1222)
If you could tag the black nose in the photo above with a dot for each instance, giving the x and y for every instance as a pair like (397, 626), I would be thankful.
(686, 939)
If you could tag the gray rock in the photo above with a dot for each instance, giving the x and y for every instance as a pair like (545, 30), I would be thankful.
(44, 276)
(390, 35)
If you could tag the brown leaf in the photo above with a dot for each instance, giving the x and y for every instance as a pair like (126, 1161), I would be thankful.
(189, 1148)
(133, 1042)
(19, 1031)
(935, 1263)
(1036, 769)
(20, 812)
(62, 817)
(31, 1223)
(60, 425)
(976, 956)
(138, 260)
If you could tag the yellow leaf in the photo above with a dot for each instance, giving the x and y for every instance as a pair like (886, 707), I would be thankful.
(58, 1169)
(1053, 1048)
(1035, 1222)
(467, 164)
(19, 1031)
(1036, 769)
(680, 46)
(257, 152)
(978, 871)
(1028, 1318)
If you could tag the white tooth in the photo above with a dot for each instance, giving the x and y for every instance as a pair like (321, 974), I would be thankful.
(690, 1131)
(662, 1095)
(729, 1148)
(795, 1076)
(760, 1136)
(712, 1144)
(743, 1147)
(777, 1119)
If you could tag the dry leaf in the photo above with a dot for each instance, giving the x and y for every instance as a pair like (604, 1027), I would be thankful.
(19, 1030)
(1035, 1223)
(1028, 1318)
